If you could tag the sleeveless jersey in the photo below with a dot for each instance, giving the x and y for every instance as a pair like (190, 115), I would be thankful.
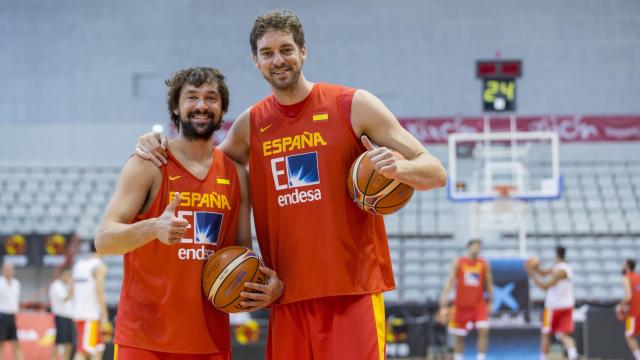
(560, 295)
(162, 305)
(634, 306)
(85, 297)
(470, 282)
(309, 230)
(9, 295)
(58, 292)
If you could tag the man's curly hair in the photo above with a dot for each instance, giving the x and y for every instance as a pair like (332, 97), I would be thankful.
(284, 20)
(195, 76)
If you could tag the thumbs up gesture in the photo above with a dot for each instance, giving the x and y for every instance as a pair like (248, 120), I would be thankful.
(382, 158)
(169, 228)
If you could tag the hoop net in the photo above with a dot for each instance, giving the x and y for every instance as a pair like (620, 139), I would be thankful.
(504, 213)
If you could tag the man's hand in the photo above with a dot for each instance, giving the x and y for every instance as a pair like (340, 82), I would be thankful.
(264, 294)
(106, 329)
(444, 301)
(169, 228)
(622, 310)
(383, 159)
(152, 146)
(442, 316)
(532, 265)
(489, 306)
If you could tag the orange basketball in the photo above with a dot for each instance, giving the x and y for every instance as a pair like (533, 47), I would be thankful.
(373, 192)
(226, 272)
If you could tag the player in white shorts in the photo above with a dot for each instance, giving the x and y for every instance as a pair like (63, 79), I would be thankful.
(557, 318)
(89, 305)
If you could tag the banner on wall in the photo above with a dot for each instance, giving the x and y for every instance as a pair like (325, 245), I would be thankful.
(16, 250)
(511, 304)
(35, 250)
(571, 128)
(53, 249)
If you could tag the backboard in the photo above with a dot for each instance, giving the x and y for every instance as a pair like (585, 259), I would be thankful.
(480, 164)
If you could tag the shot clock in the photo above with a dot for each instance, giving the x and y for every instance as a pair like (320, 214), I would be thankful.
(499, 84)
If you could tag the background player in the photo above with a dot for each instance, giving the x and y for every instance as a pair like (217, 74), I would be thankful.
(61, 298)
(163, 312)
(557, 317)
(317, 127)
(9, 306)
(631, 301)
(89, 305)
(474, 283)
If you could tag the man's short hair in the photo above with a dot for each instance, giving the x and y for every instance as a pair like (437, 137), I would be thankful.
(631, 264)
(561, 251)
(474, 241)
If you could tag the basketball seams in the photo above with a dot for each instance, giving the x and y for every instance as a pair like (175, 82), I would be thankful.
(251, 279)
(382, 193)
(222, 306)
(366, 188)
(394, 205)
(392, 186)
(389, 191)
(389, 182)
(227, 274)
(209, 265)
(371, 175)
(386, 192)
(354, 178)
(219, 280)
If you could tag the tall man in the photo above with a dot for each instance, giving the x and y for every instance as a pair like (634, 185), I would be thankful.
(631, 284)
(9, 306)
(299, 144)
(557, 318)
(167, 222)
(473, 300)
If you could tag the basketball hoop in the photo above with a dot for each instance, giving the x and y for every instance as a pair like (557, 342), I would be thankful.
(503, 203)
(504, 190)
(500, 172)
(504, 213)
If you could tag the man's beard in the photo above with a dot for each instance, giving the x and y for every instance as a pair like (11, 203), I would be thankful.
(193, 133)
(287, 85)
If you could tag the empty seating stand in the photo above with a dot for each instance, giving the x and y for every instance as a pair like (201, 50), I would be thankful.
(597, 219)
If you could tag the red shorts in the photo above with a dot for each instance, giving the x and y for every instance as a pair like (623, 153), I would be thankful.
(122, 352)
(340, 327)
(465, 319)
(557, 321)
(632, 326)
(89, 337)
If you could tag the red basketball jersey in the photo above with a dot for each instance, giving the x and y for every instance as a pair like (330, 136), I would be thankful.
(634, 306)
(318, 241)
(470, 281)
(162, 305)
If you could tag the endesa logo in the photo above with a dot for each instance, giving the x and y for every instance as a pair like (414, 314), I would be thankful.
(294, 172)
(206, 230)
